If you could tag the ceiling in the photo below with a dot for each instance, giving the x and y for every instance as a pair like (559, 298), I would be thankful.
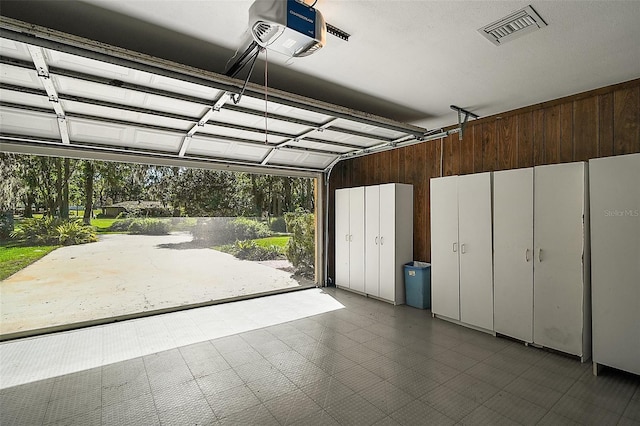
(405, 60)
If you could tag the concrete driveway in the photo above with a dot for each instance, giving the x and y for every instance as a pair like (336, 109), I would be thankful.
(126, 274)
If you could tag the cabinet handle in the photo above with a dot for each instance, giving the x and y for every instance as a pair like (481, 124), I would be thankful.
(350, 237)
(462, 249)
(526, 255)
(346, 237)
(376, 240)
(539, 255)
(455, 247)
(381, 240)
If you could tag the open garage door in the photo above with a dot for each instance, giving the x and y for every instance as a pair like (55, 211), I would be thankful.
(66, 97)
(70, 96)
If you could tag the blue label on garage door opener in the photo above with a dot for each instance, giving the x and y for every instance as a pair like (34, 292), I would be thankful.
(301, 18)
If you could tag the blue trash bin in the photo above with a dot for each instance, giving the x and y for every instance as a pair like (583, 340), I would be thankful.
(417, 284)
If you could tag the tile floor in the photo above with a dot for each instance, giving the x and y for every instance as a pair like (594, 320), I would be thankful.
(366, 363)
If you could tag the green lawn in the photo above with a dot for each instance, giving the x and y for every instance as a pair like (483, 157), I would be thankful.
(273, 241)
(14, 257)
(102, 225)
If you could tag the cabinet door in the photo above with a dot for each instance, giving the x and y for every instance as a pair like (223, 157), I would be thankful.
(476, 257)
(445, 289)
(356, 239)
(372, 240)
(388, 265)
(513, 253)
(342, 237)
(615, 260)
(558, 242)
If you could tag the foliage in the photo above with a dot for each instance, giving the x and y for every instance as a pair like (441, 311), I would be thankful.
(6, 224)
(50, 230)
(249, 250)
(75, 232)
(249, 229)
(278, 224)
(220, 231)
(14, 257)
(301, 247)
(149, 226)
(120, 225)
(273, 241)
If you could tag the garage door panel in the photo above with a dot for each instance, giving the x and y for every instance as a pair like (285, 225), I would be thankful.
(219, 149)
(25, 99)
(71, 107)
(242, 134)
(367, 128)
(301, 158)
(14, 50)
(276, 108)
(154, 140)
(20, 76)
(322, 146)
(102, 133)
(29, 123)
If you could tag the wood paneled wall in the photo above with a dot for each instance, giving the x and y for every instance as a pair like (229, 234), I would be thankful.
(598, 123)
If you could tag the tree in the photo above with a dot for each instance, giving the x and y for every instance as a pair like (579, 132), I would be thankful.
(88, 172)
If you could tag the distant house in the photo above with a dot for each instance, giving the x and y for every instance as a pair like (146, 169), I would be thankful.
(136, 208)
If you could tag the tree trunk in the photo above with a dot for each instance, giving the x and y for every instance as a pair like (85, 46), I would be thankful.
(64, 205)
(88, 191)
(28, 211)
(58, 199)
(288, 197)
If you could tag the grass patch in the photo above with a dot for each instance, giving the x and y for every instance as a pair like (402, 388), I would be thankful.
(14, 257)
(280, 242)
(102, 225)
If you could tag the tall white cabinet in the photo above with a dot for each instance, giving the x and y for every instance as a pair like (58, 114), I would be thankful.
(461, 249)
(513, 253)
(615, 261)
(374, 239)
(541, 259)
(349, 238)
(388, 239)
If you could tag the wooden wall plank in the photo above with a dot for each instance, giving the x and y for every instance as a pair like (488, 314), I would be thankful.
(566, 132)
(489, 147)
(552, 135)
(420, 201)
(626, 137)
(538, 137)
(605, 125)
(394, 154)
(477, 148)
(585, 129)
(525, 140)
(507, 142)
(451, 159)
(466, 151)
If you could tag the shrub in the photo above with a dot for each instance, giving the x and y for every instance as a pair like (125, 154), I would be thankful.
(249, 229)
(6, 224)
(75, 232)
(219, 231)
(121, 225)
(301, 247)
(50, 230)
(249, 250)
(278, 224)
(149, 227)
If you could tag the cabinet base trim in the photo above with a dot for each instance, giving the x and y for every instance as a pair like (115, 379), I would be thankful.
(458, 322)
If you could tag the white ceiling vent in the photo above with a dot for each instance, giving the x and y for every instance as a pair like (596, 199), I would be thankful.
(513, 26)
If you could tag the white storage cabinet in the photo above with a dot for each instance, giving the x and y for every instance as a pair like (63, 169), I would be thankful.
(349, 238)
(615, 261)
(388, 239)
(541, 258)
(461, 250)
